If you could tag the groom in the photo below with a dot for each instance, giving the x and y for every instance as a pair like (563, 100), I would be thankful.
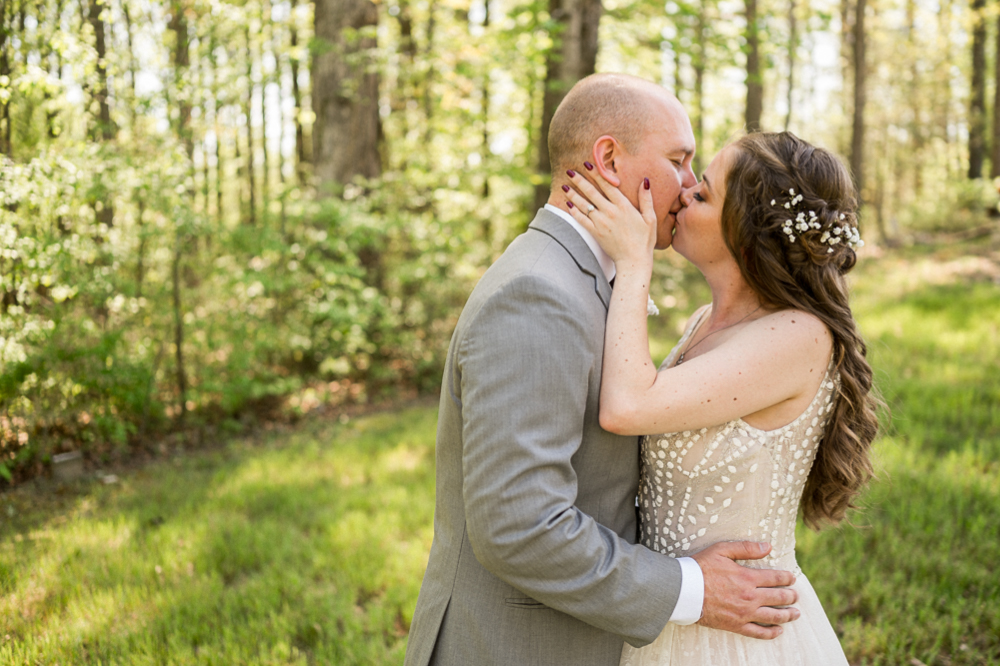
(534, 559)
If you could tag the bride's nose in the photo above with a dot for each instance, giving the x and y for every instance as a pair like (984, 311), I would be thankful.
(686, 195)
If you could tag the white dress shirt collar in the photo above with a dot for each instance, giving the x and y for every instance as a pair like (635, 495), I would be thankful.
(607, 265)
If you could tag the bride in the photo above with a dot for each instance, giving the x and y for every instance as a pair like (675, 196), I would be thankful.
(766, 401)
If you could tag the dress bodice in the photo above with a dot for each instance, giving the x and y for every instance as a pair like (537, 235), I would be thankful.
(730, 482)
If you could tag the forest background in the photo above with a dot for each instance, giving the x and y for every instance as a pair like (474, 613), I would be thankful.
(213, 212)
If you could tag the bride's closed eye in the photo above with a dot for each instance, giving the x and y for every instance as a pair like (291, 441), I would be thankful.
(697, 197)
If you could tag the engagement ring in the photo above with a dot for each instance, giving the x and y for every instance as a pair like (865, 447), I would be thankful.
(590, 209)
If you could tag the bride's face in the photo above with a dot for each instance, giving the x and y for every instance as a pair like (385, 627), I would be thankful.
(698, 232)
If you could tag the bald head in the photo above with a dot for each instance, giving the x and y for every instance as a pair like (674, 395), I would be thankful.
(616, 105)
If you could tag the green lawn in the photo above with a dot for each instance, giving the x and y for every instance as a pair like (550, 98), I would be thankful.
(307, 546)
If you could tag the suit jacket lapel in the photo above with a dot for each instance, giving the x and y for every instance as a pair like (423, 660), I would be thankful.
(550, 224)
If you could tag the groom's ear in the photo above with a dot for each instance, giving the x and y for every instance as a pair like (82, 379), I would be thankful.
(607, 151)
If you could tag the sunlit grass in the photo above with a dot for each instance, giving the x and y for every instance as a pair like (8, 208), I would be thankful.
(308, 546)
(304, 548)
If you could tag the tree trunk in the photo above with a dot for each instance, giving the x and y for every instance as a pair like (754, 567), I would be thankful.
(105, 128)
(131, 64)
(977, 103)
(175, 274)
(347, 130)
(847, 65)
(572, 57)
(995, 161)
(52, 56)
(698, 59)
(487, 231)
(755, 81)
(429, 77)
(212, 67)
(792, 48)
(402, 93)
(276, 36)
(251, 176)
(102, 129)
(140, 262)
(265, 179)
(5, 145)
(300, 144)
(945, 101)
(182, 61)
(917, 105)
(858, 128)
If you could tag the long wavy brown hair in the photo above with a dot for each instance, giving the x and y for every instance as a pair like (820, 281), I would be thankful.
(806, 275)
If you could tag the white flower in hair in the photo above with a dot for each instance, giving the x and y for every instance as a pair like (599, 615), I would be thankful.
(651, 309)
(793, 228)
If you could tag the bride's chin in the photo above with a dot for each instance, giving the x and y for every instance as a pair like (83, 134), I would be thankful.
(678, 247)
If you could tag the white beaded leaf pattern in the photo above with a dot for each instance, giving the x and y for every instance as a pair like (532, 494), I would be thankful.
(731, 482)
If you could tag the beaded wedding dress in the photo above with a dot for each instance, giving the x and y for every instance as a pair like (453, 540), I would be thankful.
(734, 482)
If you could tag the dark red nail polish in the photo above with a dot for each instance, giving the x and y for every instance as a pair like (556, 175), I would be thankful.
(590, 167)
(645, 182)
(570, 173)
(565, 188)
(569, 203)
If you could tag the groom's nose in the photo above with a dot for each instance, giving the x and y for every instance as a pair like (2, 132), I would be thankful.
(688, 178)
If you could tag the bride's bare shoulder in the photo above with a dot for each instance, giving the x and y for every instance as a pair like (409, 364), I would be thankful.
(796, 331)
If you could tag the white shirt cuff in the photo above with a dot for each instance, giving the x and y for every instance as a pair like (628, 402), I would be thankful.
(692, 596)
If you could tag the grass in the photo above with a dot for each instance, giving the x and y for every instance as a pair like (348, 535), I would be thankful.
(307, 546)
(302, 548)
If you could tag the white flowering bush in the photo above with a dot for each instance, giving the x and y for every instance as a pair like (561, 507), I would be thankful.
(91, 311)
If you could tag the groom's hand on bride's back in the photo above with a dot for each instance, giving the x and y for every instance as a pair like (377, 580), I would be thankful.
(743, 600)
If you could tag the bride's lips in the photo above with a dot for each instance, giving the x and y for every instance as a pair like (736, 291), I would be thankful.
(677, 220)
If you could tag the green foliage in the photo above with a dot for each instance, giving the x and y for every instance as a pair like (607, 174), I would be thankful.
(90, 327)
(958, 206)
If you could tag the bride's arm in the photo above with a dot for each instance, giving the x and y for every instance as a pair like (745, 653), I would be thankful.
(745, 374)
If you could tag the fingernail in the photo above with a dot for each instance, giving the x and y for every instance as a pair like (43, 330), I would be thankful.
(645, 182)
(590, 167)
(569, 203)
(570, 173)
(565, 188)
(762, 547)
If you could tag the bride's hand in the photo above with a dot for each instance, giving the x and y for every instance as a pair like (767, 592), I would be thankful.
(624, 232)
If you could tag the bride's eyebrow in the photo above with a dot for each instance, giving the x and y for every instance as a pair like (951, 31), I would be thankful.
(704, 179)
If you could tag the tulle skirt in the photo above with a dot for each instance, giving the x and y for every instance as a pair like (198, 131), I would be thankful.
(808, 641)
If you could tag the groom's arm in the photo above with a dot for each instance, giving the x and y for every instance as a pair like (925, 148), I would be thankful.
(525, 363)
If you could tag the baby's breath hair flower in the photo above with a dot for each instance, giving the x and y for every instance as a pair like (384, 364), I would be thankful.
(651, 309)
(807, 221)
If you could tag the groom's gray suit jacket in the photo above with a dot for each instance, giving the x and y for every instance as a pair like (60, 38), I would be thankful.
(533, 559)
